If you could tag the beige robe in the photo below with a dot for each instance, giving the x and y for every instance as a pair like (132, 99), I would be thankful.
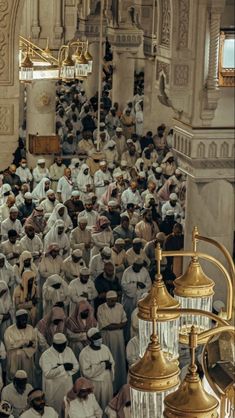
(114, 339)
(146, 231)
(81, 240)
(20, 358)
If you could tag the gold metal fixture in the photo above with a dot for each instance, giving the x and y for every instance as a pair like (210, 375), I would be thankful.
(190, 400)
(167, 325)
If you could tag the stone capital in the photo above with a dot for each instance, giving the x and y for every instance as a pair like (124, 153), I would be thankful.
(205, 153)
(129, 38)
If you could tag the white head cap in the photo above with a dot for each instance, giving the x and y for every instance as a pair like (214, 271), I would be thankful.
(111, 294)
(92, 331)
(21, 374)
(41, 161)
(118, 129)
(159, 170)
(59, 338)
(75, 193)
(28, 195)
(173, 196)
(21, 312)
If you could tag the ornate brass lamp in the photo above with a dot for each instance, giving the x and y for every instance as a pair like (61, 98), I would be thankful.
(89, 59)
(190, 400)
(194, 290)
(26, 69)
(167, 325)
(81, 66)
(151, 378)
(66, 70)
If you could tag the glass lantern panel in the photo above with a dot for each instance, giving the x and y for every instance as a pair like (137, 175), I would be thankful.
(80, 70)
(67, 72)
(148, 404)
(168, 334)
(89, 66)
(26, 74)
(202, 323)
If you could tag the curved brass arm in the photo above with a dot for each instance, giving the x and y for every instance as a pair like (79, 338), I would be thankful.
(222, 248)
(214, 261)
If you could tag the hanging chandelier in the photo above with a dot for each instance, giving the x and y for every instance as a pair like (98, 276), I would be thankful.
(151, 378)
(167, 325)
(191, 400)
(194, 290)
(74, 61)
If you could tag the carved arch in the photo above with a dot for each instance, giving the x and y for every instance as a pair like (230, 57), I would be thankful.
(212, 151)
(224, 150)
(201, 150)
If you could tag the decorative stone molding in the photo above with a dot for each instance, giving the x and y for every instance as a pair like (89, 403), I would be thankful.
(6, 43)
(127, 38)
(181, 75)
(165, 38)
(163, 67)
(205, 153)
(6, 119)
(183, 23)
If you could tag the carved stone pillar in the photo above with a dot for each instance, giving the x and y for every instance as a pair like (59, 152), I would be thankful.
(40, 113)
(125, 43)
(206, 156)
(58, 28)
(212, 79)
(91, 84)
(35, 29)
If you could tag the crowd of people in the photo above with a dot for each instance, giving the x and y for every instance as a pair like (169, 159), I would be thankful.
(77, 252)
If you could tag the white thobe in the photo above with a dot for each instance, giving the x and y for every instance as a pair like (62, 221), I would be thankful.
(18, 401)
(83, 408)
(92, 364)
(4, 212)
(132, 350)
(99, 178)
(177, 209)
(51, 296)
(65, 188)
(48, 206)
(39, 174)
(71, 269)
(101, 240)
(56, 380)
(129, 197)
(131, 293)
(114, 339)
(24, 174)
(48, 413)
(76, 291)
(2, 358)
(35, 245)
(49, 265)
(91, 217)
(20, 358)
(96, 266)
(9, 224)
(7, 248)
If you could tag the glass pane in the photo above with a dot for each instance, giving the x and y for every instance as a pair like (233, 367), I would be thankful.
(229, 53)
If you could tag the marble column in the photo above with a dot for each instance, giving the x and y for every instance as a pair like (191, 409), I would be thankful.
(58, 29)
(210, 207)
(35, 29)
(41, 96)
(123, 76)
(91, 83)
(212, 79)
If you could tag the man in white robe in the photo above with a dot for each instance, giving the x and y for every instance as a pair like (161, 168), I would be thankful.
(80, 238)
(102, 178)
(24, 172)
(112, 319)
(97, 262)
(37, 406)
(56, 172)
(40, 171)
(49, 203)
(16, 393)
(11, 247)
(132, 195)
(21, 344)
(58, 364)
(11, 223)
(31, 242)
(65, 186)
(81, 288)
(89, 213)
(97, 364)
(72, 265)
(174, 205)
(120, 140)
(6, 272)
(135, 282)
